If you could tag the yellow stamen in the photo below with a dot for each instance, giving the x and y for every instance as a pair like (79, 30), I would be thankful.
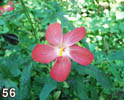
(61, 50)
(5, 6)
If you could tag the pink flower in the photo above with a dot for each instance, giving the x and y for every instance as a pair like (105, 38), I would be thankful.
(62, 48)
(7, 7)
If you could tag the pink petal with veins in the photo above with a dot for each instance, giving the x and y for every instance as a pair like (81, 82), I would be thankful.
(74, 36)
(61, 69)
(1, 8)
(54, 34)
(44, 53)
(81, 55)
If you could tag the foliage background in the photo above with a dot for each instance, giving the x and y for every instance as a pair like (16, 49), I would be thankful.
(104, 22)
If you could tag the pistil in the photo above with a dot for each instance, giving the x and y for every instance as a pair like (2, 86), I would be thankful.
(61, 51)
(5, 6)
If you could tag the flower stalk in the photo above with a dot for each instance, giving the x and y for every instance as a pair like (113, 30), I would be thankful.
(29, 19)
(24, 46)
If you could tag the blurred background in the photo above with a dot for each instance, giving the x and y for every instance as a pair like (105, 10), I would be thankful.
(25, 26)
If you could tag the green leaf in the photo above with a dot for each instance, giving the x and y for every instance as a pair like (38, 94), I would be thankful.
(4, 69)
(114, 70)
(13, 65)
(1, 81)
(49, 86)
(3, 27)
(80, 88)
(93, 71)
(25, 82)
(85, 43)
(116, 55)
(57, 94)
(94, 94)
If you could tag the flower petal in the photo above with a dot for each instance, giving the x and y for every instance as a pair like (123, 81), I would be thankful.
(61, 69)
(1, 8)
(43, 53)
(9, 8)
(10, 3)
(81, 55)
(74, 36)
(54, 34)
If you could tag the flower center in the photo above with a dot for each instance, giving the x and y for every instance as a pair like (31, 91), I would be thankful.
(5, 6)
(61, 51)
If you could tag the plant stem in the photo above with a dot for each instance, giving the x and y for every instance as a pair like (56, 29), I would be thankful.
(29, 19)
(24, 46)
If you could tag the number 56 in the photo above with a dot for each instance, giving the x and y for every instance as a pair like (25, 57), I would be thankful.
(8, 92)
